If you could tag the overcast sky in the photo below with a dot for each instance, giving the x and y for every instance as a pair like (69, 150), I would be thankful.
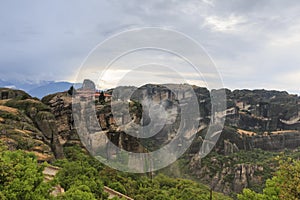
(254, 43)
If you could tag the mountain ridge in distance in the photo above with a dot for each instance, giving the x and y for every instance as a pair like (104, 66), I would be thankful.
(52, 87)
(39, 89)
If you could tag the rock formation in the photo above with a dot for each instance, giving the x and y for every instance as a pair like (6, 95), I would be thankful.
(26, 123)
(269, 120)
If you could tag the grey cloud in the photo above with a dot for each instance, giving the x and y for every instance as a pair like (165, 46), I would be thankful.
(49, 40)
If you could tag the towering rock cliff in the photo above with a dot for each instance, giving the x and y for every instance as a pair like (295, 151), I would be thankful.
(268, 120)
(254, 119)
(26, 123)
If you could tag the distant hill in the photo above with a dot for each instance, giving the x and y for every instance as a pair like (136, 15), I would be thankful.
(22, 84)
(6, 84)
(50, 88)
(39, 89)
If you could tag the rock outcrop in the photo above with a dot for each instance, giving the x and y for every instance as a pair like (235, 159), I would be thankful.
(227, 177)
(61, 107)
(268, 120)
(28, 124)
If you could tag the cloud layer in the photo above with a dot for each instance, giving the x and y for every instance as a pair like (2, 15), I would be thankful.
(254, 44)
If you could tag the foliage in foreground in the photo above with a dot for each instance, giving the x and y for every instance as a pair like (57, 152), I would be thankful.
(137, 186)
(21, 177)
(284, 185)
(83, 178)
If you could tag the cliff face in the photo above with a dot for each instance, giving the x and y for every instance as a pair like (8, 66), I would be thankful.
(258, 119)
(227, 174)
(262, 110)
(28, 124)
(254, 119)
(269, 120)
(61, 107)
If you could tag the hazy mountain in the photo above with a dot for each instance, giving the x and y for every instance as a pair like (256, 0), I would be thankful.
(49, 88)
(38, 89)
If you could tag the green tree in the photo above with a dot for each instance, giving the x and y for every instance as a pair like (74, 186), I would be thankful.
(78, 174)
(288, 179)
(78, 193)
(118, 187)
(284, 185)
(21, 177)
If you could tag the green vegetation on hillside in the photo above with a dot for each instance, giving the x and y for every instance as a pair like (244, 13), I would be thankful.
(83, 177)
(21, 177)
(284, 185)
(139, 187)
